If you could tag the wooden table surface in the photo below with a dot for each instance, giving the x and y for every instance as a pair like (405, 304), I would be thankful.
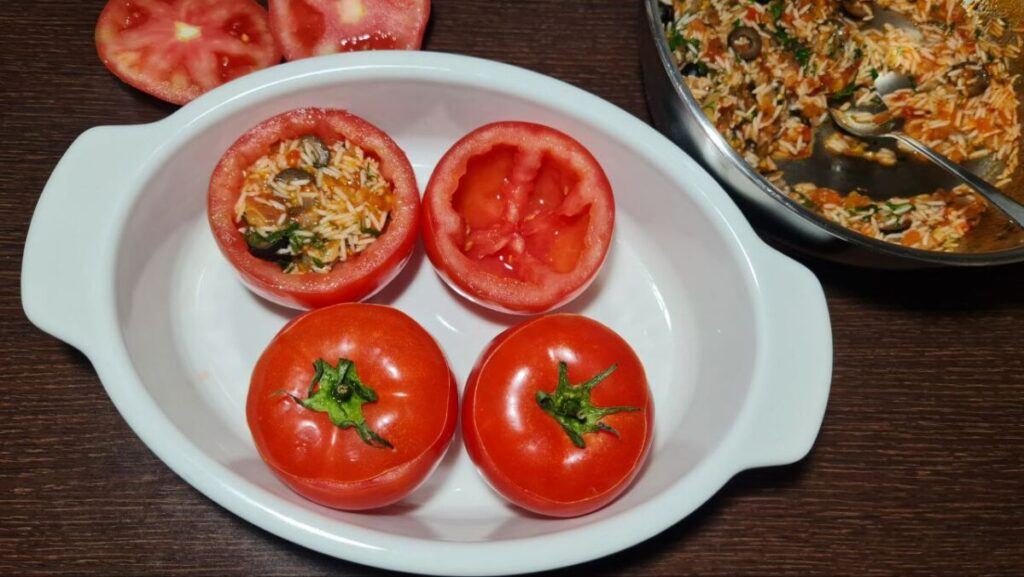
(918, 468)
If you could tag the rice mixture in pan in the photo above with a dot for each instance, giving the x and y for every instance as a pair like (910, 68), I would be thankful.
(766, 71)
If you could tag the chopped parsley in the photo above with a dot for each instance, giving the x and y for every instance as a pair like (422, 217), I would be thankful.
(272, 240)
(801, 53)
(874, 73)
(846, 92)
(676, 41)
(295, 243)
(776, 9)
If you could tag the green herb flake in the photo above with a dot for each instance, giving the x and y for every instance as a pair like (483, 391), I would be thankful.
(263, 242)
(801, 53)
(677, 41)
(846, 92)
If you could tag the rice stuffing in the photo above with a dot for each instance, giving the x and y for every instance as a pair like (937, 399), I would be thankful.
(766, 72)
(308, 205)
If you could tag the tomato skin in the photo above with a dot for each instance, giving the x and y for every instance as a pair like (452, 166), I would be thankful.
(305, 28)
(356, 279)
(521, 451)
(139, 42)
(539, 287)
(416, 410)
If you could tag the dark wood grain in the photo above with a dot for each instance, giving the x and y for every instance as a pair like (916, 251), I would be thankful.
(918, 469)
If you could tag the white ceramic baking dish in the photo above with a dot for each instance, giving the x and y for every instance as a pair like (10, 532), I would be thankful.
(120, 263)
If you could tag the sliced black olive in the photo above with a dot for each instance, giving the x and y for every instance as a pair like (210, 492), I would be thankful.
(894, 224)
(839, 37)
(746, 42)
(858, 8)
(299, 210)
(321, 154)
(666, 12)
(293, 175)
(964, 200)
(976, 78)
(698, 69)
(979, 84)
(839, 30)
(266, 246)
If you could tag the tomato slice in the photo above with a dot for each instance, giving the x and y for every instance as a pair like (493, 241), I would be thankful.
(557, 415)
(381, 415)
(518, 217)
(179, 49)
(305, 28)
(355, 279)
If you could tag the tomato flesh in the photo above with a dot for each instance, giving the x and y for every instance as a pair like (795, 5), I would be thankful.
(518, 217)
(304, 28)
(496, 229)
(415, 410)
(522, 451)
(355, 279)
(178, 49)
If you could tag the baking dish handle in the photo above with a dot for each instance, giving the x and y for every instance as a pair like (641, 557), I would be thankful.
(62, 266)
(787, 403)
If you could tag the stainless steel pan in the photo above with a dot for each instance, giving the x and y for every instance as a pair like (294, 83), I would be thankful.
(678, 115)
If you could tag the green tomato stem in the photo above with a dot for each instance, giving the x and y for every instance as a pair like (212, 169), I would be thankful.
(571, 407)
(338, 392)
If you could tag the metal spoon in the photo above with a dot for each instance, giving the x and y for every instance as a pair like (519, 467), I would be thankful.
(876, 122)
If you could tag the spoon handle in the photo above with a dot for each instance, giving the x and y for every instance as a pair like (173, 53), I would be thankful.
(1012, 208)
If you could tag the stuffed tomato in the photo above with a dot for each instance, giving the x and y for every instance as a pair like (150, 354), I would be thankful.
(314, 207)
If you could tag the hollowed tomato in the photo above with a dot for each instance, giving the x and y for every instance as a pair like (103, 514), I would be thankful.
(305, 28)
(355, 279)
(352, 406)
(179, 49)
(518, 217)
(557, 415)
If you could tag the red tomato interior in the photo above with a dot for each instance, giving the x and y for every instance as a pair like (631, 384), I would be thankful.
(307, 25)
(305, 28)
(178, 49)
(519, 217)
(504, 216)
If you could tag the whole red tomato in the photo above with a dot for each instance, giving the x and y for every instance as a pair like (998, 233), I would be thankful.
(557, 415)
(353, 280)
(352, 406)
(518, 217)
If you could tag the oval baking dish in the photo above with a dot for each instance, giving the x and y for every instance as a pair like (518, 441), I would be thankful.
(734, 336)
